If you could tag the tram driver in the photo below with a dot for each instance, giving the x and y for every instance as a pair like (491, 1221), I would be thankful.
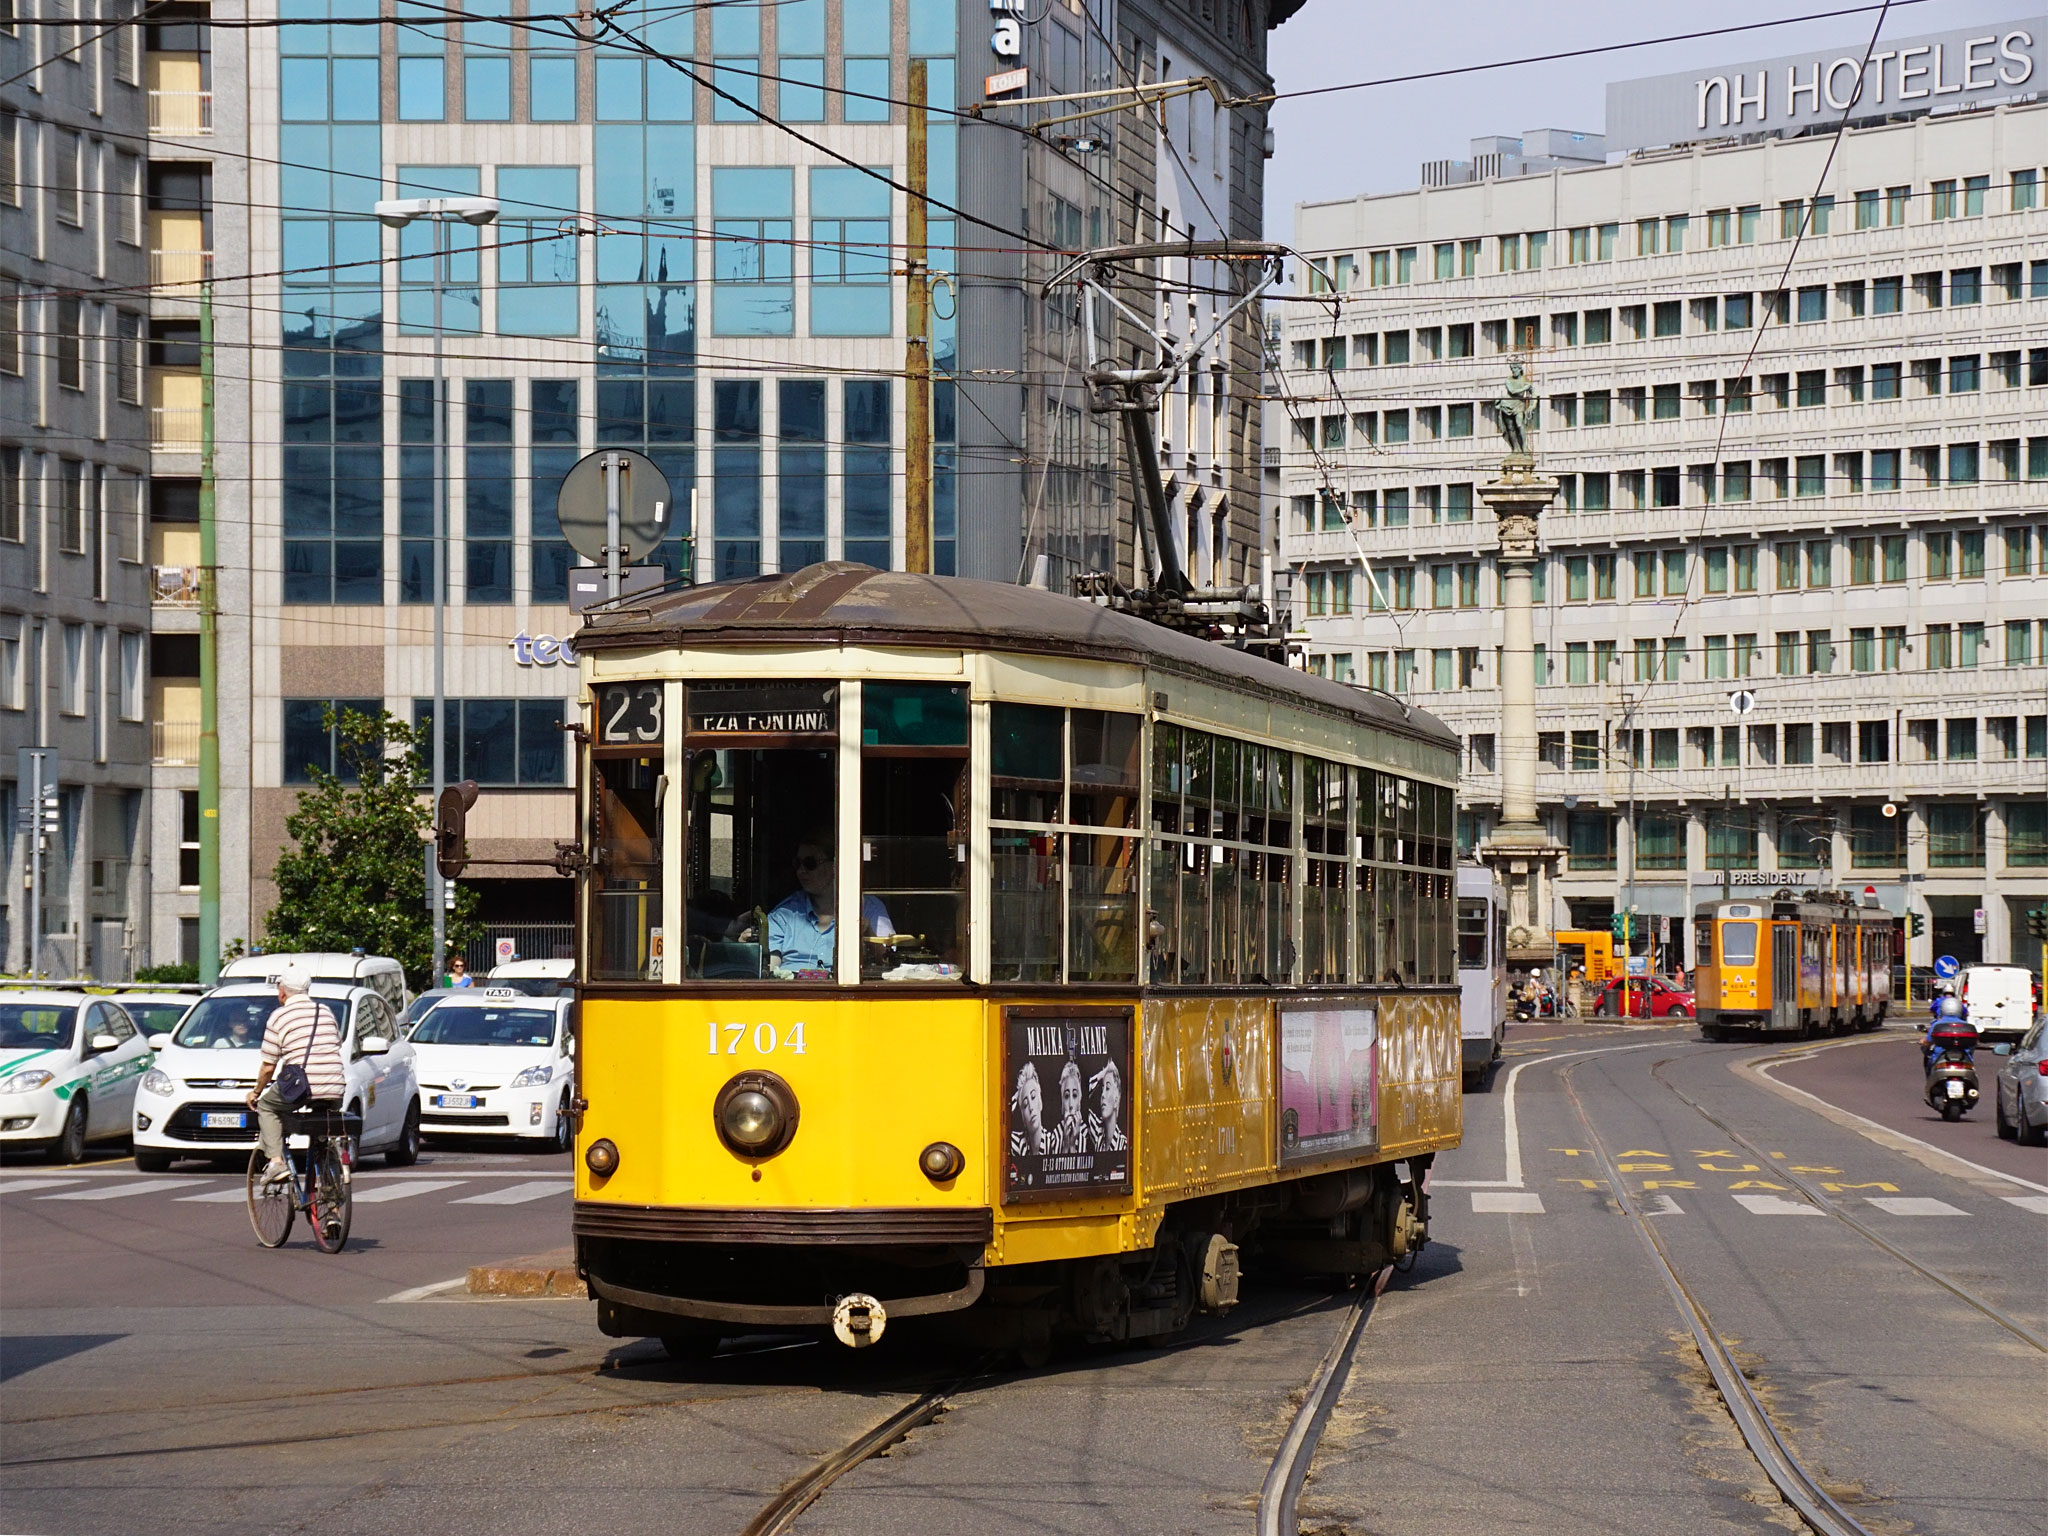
(803, 932)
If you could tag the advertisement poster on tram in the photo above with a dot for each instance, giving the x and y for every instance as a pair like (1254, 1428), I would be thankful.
(1069, 1110)
(1329, 1082)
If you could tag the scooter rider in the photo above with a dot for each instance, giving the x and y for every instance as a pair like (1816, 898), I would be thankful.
(1948, 1022)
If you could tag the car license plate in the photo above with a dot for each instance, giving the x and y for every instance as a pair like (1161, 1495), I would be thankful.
(1955, 1089)
(224, 1120)
(456, 1101)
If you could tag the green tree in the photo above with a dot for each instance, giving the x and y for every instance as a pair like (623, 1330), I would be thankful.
(357, 875)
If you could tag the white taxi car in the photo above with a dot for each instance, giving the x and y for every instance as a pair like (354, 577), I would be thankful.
(496, 1063)
(69, 1064)
(194, 1101)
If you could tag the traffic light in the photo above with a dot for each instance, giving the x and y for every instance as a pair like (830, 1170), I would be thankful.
(1619, 923)
(52, 819)
(1915, 925)
(451, 847)
(2037, 923)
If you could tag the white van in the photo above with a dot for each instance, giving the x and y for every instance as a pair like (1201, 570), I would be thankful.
(1998, 1000)
(380, 973)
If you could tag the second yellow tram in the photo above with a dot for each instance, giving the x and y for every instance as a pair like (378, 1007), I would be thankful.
(1815, 963)
(959, 949)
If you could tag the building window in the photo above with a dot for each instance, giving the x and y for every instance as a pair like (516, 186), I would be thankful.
(866, 480)
(2026, 833)
(554, 426)
(736, 478)
(507, 743)
(753, 288)
(313, 745)
(188, 839)
(1955, 836)
(487, 514)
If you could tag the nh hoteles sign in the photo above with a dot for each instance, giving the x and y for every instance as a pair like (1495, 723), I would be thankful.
(1967, 66)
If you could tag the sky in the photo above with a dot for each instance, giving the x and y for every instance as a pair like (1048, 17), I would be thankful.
(1375, 140)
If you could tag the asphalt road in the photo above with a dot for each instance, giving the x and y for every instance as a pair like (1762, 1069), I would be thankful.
(1529, 1374)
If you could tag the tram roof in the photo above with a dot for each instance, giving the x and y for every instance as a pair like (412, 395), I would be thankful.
(838, 603)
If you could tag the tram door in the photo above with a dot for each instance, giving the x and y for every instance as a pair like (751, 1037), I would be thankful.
(1784, 976)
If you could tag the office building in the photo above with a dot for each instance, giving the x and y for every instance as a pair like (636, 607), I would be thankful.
(698, 254)
(1792, 613)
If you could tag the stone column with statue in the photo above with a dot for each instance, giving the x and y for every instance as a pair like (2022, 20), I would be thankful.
(1520, 846)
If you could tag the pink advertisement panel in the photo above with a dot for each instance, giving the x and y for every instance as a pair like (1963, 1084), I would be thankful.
(1329, 1082)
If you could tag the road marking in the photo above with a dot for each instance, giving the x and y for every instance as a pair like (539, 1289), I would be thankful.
(1914, 1205)
(378, 1194)
(1512, 1126)
(428, 1292)
(1777, 1205)
(122, 1191)
(2038, 1204)
(1666, 1206)
(1885, 1135)
(18, 1186)
(519, 1194)
(1512, 1202)
(234, 1195)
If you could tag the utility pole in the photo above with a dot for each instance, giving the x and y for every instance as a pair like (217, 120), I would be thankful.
(209, 662)
(440, 716)
(917, 363)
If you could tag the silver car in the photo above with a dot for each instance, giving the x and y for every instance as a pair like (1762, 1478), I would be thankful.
(2022, 1082)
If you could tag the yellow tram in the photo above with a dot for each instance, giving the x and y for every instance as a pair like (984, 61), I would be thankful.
(1811, 963)
(1153, 958)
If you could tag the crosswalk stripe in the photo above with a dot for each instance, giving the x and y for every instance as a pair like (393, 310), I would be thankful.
(20, 1186)
(234, 1195)
(1523, 1202)
(121, 1191)
(518, 1194)
(1776, 1205)
(1915, 1205)
(2038, 1204)
(377, 1194)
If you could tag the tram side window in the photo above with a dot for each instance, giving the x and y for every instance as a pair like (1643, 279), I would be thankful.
(1064, 819)
(760, 867)
(1325, 907)
(1223, 821)
(1472, 925)
(914, 822)
(625, 899)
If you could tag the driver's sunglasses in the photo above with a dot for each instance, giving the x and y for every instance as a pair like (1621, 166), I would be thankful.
(811, 861)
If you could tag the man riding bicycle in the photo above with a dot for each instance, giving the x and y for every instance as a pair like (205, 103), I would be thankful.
(303, 1031)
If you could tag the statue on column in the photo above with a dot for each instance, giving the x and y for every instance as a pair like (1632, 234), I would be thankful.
(1515, 410)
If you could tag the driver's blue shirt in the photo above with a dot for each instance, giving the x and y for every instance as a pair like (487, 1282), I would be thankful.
(800, 943)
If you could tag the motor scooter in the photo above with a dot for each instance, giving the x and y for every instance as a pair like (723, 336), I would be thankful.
(1951, 1082)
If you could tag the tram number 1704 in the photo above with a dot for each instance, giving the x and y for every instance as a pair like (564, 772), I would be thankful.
(764, 1040)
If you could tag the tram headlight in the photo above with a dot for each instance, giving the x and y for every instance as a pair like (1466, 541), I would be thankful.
(941, 1161)
(755, 1114)
(602, 1157)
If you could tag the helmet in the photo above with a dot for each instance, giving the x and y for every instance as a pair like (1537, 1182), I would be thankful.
(1951, 1008)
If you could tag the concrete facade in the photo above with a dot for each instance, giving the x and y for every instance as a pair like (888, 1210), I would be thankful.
(74, 457)
(1833, 502)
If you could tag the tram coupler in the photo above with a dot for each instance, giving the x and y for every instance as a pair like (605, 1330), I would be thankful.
(858, 1320)
(1411, 1214)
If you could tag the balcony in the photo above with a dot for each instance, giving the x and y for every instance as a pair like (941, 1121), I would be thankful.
(174, 743)
(181, 114)
(175, 586)
(174, 428)
(178, 274)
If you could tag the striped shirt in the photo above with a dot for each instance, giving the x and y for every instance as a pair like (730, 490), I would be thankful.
(296, 1023)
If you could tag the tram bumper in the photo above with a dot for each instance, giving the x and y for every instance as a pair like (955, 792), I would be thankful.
(775, 1268)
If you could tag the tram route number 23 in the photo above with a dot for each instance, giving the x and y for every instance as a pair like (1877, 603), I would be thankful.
(726, 1039)
(629, 712)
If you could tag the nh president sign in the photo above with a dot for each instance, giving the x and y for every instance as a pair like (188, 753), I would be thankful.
(1785, 95)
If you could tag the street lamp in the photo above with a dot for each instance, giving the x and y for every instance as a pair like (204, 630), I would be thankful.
(396, 213)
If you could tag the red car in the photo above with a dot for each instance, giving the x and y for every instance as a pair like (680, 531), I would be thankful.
(1648, 997)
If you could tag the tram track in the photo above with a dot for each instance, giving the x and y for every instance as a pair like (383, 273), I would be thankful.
(1800, 1487)
(1818, 1197)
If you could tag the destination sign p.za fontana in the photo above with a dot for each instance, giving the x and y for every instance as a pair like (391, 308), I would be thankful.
(774, 722)
(798, 709)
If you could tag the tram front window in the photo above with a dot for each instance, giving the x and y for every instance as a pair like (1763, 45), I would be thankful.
(761, 879)
(913, 831)
(1738, 943)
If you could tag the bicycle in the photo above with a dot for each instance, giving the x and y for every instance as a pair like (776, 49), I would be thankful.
(318, 1184)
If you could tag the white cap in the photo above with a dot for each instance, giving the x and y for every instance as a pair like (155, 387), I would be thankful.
(294, 979)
